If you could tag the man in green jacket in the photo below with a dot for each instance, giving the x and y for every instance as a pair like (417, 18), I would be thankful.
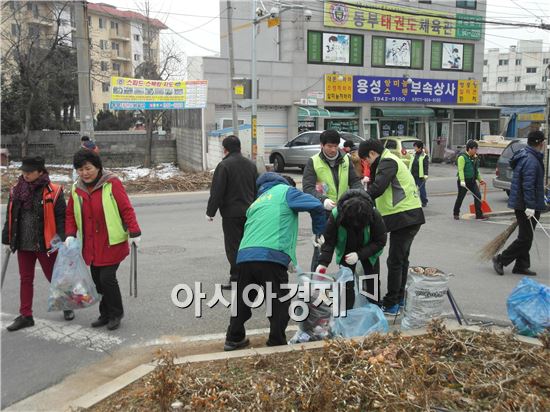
(468, 174)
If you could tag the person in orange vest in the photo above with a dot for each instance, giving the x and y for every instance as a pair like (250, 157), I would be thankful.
(35, 214)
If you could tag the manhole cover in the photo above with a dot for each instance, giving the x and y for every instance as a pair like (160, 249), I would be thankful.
(162, 250)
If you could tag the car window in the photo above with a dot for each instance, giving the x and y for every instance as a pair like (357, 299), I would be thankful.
(407, 144)
(315, 138)
(391, 144)
(302, 140)
(350, 136)
(512, 148)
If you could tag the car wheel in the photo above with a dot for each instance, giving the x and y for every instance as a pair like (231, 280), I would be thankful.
(507, 193)
(278, 163)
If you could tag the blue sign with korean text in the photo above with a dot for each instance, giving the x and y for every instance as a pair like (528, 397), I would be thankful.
(373, 89)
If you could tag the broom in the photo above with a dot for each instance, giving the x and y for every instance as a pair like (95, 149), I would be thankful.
(492, 248)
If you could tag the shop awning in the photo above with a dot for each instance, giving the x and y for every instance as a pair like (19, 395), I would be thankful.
(406, 111)
(313, 112)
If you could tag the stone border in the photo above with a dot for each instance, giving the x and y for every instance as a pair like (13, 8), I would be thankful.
(110, 388)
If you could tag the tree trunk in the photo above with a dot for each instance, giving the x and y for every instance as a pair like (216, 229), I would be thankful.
(148, 139)
(27, 126)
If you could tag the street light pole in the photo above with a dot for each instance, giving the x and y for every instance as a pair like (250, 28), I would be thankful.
(547, 128)
(254, 108)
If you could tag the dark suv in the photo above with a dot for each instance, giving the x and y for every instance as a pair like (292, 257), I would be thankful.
(503, 179)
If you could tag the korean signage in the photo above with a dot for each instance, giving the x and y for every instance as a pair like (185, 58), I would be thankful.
(360, 14)
(381, 89)
(142, 94)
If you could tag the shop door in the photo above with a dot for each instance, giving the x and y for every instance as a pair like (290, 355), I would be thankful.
(459, 135)
(474, 130)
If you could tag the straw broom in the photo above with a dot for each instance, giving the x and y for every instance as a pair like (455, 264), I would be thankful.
(492, 248)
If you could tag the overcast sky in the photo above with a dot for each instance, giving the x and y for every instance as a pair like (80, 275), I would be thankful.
(194, 24)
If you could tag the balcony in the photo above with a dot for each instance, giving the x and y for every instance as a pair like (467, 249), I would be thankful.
(118, 34)
(119, 55)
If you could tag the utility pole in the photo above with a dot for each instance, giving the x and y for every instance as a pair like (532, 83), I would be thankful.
(83, 66)
(547, 128)
(235, 119)
(254, 108)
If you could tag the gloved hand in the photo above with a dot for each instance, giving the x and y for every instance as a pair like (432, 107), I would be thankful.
(365, 180)
(529, 213)
(425, 177)
(69, 240)
(351, 258)
(463, 184)
(321, 269)
(209, 219)
(5, 248)
(135, 240)
(329, 204)
(317, 240)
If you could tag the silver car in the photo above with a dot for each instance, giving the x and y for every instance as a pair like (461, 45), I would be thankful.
(297, 152)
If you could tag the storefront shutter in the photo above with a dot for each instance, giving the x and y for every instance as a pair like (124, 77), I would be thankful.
(417, 55)
(378, 51)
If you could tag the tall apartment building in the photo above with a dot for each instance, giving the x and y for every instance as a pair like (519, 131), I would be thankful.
(518, 76)
(120, 40)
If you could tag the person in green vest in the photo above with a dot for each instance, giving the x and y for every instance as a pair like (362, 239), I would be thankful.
(266, 250)
(396, 196)
(101, 215)
(327, 176)
(418, 166)
(468, 176)
(356, 230)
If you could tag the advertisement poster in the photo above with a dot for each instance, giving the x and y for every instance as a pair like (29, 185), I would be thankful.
(398, 52)
(452, 56)
(335, 48)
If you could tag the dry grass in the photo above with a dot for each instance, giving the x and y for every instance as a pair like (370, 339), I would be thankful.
(442, 370)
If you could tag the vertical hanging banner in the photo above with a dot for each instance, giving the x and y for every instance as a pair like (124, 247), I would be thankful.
(142, 94)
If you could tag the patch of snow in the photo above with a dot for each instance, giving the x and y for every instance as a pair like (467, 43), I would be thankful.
(166, 171)
(60, 178)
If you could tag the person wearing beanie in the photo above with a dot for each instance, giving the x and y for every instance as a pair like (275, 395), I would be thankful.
(35, 215)
(327, 176)
(356, 230)
(468, 176)
(527, 200)
(101, 214)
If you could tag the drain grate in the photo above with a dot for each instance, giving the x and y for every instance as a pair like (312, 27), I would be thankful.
(162, 250)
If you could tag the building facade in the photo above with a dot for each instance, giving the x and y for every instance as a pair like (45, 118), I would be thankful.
(410, 68)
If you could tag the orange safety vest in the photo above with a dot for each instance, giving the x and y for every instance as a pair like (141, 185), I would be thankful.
(50, 194)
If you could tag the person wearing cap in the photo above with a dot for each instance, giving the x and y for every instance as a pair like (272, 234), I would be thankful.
(100, 212)
(418, 166)
(527, 200)
(35, 215)
(468, 176)
(327, 176)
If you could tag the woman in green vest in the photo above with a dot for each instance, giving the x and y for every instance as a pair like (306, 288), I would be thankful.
(468, 176)
(356, 230)
(101, 214)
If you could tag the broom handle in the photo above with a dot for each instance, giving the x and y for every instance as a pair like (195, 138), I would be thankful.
(473, 194)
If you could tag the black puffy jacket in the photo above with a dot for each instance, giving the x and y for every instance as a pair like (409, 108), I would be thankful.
(527, 190)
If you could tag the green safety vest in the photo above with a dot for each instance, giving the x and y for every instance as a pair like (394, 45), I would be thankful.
(115, 228)
(343, 238)
(324, 175)
(401, 194)
(271, 224)
(470, 166)
(420, 164)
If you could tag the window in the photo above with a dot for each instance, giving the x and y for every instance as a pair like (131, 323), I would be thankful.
(397, 52)
(12, 5)
(104, 45)
(137, 57)
(517, 79)
(104, 87)
(546, 60)
(92, 85)
(136, 37)
(104, 66)
(425, 1)
(485, 62)
(114, 25)
(89, 21)
(29, 6)
(302, 140)
(518, 62)
(466, 4)
(34, 31)
(485, 80)
(334, 48)
(114, 46)
(452, 56)
(502, 79)
(101, 23)
(116, 67)
(391, 144)
(531, 70)
(503, 62)
(530, 87)
(105, 107)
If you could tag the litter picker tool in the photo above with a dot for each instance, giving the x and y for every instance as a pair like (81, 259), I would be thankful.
(133, 270)
(485, 208)
(5, 261)
(542, 227)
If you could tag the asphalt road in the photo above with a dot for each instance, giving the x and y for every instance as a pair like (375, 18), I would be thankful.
(179, 246)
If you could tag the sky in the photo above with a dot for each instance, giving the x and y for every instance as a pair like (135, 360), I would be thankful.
(194, 24)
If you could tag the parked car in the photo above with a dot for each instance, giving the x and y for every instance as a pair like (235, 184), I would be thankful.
(401, 146)
(503, 179)
(297, 152)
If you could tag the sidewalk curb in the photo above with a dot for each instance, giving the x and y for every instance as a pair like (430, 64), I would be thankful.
(130, 377)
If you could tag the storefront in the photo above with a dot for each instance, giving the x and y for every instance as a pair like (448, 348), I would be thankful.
(343, 119)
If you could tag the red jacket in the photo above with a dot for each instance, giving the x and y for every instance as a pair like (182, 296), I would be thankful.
(96, 250)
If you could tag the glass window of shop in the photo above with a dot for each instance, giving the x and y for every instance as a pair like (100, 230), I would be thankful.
(343, 119)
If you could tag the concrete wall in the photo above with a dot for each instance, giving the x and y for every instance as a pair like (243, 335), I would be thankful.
(117, 148)
(187, 131)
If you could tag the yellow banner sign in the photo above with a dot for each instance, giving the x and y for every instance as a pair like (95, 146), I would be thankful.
(338, 88)
(533, 117)
(468, 92)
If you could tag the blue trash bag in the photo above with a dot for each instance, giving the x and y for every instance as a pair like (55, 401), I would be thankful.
(317, 324)
(360, 322)
(72, 286)
(529, 307)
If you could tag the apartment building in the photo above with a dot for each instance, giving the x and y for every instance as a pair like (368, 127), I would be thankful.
(120, 40)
